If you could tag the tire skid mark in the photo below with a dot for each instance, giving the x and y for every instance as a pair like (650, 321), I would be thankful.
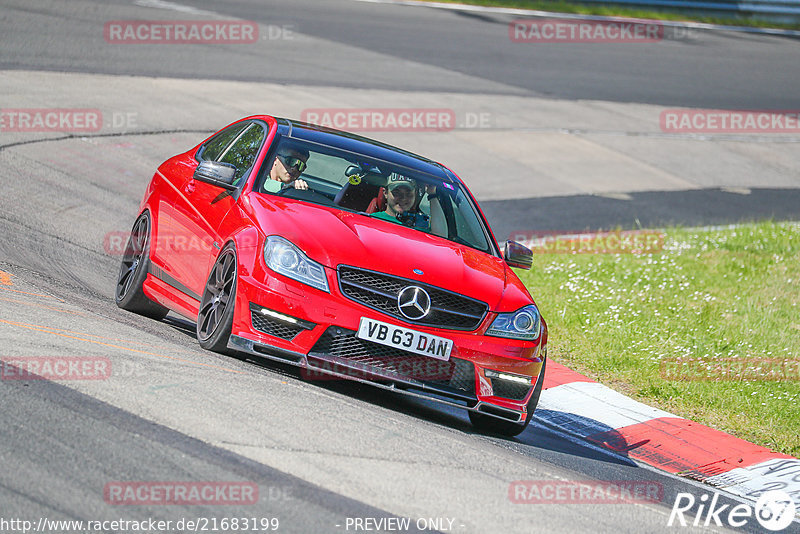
(121, 340)
(3, 288)
(114, 134)
(6, 282)
(54, 331)
(35, 305)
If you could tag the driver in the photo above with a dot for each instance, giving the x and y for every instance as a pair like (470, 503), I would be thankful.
(402, 206)
(289, 164)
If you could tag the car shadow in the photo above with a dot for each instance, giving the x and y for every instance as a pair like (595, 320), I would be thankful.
(179, 324)
(587, 438)
(576, 428)
(543, 433)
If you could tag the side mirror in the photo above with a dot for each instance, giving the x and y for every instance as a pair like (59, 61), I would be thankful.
(216, 173)
(517, 255)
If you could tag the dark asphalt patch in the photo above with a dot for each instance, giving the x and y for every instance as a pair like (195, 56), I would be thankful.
(655, 209)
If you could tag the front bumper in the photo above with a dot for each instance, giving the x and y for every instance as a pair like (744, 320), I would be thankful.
(316, 331)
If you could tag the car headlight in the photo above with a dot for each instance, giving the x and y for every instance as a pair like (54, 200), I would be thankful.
(522, 324)
(285, 258)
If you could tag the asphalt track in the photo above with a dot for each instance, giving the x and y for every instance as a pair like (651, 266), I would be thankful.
(324, 452)
(700, 69)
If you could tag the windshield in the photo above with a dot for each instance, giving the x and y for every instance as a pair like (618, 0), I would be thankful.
(379, 189)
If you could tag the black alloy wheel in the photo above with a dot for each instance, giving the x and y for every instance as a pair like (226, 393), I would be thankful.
(133, 272)
(215, 319)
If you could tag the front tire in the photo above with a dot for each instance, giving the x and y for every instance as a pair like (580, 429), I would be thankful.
(215, 319)
(133, 269)
(493, 425)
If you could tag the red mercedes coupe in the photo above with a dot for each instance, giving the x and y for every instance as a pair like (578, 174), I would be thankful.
(344, 256)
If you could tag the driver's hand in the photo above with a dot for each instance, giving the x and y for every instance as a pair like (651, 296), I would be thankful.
(430, 189)
(300, 184)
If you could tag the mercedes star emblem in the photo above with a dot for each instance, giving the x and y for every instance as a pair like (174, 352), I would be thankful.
(414, 302)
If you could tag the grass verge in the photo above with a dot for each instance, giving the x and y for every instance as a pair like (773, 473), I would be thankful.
(557, 6)
(708, 328)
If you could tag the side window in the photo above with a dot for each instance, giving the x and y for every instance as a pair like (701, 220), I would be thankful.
(214, 147)
(242, 153)
(468, 225)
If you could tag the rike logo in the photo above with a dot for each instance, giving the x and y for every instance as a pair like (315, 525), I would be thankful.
(774, 511)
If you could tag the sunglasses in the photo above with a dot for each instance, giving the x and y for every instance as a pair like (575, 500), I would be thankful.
(291, 161)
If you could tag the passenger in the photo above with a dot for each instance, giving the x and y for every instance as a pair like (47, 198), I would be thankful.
(402, 205)
(289, 164)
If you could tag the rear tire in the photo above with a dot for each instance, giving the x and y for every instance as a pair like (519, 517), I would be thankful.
(493, 425)
(215, 319)
(133, 270)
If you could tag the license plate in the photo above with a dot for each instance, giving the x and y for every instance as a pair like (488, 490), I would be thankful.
(405, 339)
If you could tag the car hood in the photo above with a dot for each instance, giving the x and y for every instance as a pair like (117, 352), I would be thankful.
(334, 237)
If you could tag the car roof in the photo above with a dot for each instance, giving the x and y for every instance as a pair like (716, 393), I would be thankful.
(363, 145)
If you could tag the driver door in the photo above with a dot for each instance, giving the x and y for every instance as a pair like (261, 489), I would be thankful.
(201, 207)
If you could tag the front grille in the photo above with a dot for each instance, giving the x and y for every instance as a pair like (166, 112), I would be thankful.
(272, 327)
(379, 291)
(509, 390)
(455, 374)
